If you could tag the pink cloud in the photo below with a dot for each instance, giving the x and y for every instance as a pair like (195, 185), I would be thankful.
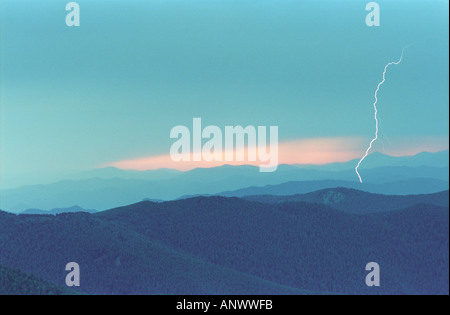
(306, 151)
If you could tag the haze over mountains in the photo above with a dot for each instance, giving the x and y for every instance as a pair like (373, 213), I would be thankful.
(255, 234)
(129, 88)
(108, 188)
(73, 209)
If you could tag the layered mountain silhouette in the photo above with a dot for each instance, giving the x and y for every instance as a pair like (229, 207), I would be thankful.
(58, 211)
(221, 245)
(233, 230)
(108, 188)
(358, 202)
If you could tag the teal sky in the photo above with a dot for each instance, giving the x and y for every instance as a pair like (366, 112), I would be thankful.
(112, 89)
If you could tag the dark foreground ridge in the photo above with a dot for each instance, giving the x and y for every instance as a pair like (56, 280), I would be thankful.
(218, 245)
(14, 282)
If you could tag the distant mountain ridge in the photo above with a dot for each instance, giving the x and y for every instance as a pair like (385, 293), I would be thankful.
(111, 191)
(358, 202)
(56, 211)
(438, 159)
(407, 187)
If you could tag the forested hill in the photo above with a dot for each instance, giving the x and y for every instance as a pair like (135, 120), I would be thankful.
(303, 245)
(218, 245)
(116, 260)
(358, 202)
(14, 282)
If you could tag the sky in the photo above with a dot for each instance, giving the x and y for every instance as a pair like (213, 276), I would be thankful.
(109, 92)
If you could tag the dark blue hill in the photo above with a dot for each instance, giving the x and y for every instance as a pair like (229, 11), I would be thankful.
(15, 282)
(355, 201)
(221, 245)
(303, 245)
(56, 211)
(114, 259)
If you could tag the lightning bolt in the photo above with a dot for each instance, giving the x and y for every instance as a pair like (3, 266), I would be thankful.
(376, 112)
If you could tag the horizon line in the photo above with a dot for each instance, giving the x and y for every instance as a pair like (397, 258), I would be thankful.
(111, 166)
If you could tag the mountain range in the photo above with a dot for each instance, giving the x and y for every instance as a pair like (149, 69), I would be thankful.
(406, 187)
(108, 188)
(223, 245)
(355, 201)
(58, 211)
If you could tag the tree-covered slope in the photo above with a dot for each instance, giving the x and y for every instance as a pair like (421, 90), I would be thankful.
(14, 282)
(358, 202)
(303, 245)
(115, 260)
(220, 245)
